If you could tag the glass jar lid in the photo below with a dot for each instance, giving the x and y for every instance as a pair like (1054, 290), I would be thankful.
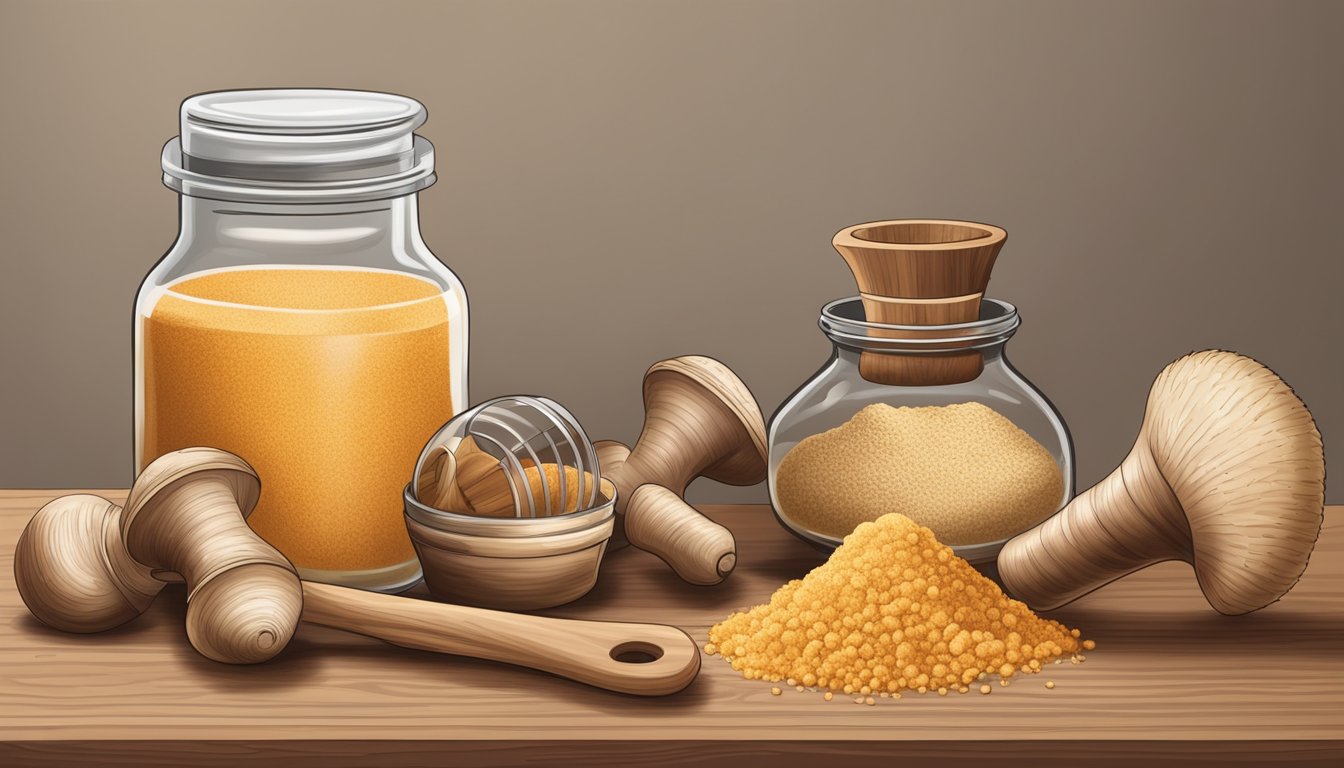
(299, 146)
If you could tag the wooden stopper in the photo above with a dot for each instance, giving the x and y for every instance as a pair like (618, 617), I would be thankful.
(700, 550)
(920, 272)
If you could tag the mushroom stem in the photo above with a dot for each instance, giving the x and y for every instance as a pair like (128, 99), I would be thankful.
(611, 455)
(700, 550)
(1128, 521)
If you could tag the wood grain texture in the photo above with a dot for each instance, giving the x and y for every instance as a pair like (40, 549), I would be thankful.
(918, 262)
(1170, 677)
(510, 562)
(624, 753)
(510, 573)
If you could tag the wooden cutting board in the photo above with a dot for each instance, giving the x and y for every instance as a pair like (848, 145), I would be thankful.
(1170, 679)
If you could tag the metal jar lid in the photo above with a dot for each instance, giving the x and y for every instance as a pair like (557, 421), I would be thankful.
(299, 146)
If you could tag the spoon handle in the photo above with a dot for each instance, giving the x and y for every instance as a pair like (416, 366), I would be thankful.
(639, 659)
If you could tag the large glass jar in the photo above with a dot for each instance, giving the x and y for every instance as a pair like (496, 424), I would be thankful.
(839, 391)
(301, 322)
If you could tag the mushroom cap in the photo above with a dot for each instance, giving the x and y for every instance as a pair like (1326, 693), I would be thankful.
(157, 481)
(68, 574)
(1241, 453)
(178, 465)
(722, 389)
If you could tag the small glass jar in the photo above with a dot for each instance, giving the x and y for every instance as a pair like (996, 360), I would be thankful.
(840, 390)
(300, 321)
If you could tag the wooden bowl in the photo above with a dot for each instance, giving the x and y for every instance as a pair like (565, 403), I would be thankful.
(517, 564)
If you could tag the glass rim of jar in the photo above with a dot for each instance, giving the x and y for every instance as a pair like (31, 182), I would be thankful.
(842, 322)
(235, 182)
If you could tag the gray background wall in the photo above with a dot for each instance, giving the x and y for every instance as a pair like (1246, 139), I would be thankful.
(667, 176)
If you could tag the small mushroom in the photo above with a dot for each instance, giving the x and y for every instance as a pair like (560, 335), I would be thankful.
(700, 421)
(83, 564)
(186, 514)
(1227, 474)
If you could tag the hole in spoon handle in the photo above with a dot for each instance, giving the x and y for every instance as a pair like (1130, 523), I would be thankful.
(636, 652)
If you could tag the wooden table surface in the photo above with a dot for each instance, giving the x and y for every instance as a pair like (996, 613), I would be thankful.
(1170, 678)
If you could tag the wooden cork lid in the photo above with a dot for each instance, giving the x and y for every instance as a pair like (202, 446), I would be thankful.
(920, 272)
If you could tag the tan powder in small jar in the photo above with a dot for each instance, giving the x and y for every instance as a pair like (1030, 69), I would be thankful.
(965, 471)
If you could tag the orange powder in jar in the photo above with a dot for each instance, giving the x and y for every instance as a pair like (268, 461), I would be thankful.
(327, 381)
